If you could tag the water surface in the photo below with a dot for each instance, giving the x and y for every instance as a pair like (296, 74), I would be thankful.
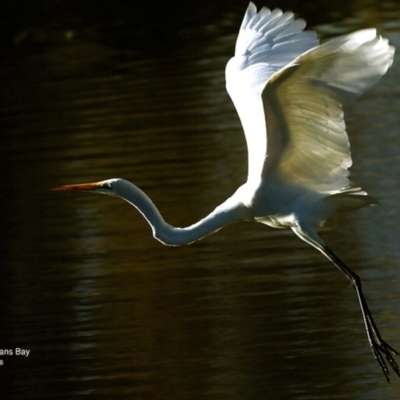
(247, 313)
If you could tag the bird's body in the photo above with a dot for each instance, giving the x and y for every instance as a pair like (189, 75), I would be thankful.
(289, 92)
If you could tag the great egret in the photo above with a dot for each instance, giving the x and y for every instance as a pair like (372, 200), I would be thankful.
(288, 91)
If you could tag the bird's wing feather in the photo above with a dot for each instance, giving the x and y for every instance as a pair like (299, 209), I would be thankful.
(307, 139)
(267, 41)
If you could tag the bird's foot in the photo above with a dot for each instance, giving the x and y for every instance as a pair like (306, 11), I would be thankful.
(383, 351)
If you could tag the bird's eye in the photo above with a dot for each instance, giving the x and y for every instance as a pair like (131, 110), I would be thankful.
(106, 185)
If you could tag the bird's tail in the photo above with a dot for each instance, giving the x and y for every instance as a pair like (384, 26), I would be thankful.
(351, 199)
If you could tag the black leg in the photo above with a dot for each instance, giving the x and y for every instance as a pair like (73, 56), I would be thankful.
(380, 348)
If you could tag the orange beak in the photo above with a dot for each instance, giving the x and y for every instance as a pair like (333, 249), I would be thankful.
(79, 186)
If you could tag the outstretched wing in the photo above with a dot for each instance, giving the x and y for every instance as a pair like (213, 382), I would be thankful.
(307, 139)
(267, 41)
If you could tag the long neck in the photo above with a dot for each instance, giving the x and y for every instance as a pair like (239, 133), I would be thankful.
(228, 212)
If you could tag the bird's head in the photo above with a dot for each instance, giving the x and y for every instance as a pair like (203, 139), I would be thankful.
(109, 187)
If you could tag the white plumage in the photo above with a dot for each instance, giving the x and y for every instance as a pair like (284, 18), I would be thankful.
(289, 92)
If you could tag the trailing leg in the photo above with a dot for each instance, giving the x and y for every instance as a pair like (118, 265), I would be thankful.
(380, 348)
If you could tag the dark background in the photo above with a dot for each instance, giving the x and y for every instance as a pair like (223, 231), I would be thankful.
(95, 90)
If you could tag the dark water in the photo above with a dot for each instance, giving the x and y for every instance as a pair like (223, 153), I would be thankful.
(248, 313)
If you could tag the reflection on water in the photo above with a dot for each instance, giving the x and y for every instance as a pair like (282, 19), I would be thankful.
(108, 312)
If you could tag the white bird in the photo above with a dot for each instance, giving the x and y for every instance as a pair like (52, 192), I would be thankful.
(288, 91)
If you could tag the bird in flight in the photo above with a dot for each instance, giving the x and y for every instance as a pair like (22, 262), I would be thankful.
(289, 93)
